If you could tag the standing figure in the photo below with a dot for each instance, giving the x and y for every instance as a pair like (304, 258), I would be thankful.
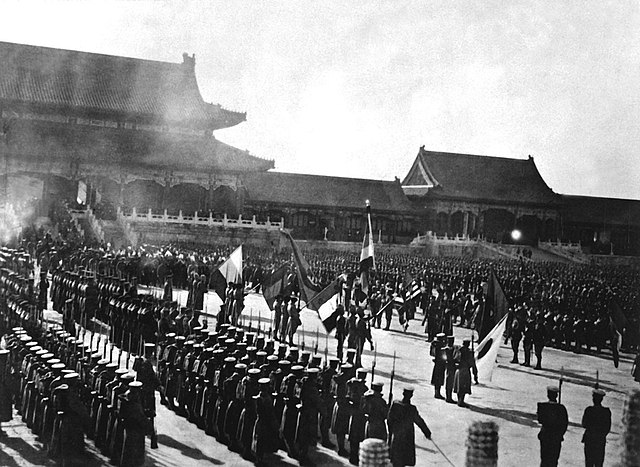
(516, 336)
(554, 420)
(539, 340)
(402, 416)
(466, 363)
(150, 384)
(437, 375)
(450, 367)
(597, 424)
(265, 433)
(136, 426)
(6, 394)
(375, 410)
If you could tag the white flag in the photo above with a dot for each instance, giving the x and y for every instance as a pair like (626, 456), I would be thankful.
(487, 351)
(231, 269)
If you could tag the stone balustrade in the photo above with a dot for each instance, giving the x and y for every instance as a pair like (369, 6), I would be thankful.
(196, 219)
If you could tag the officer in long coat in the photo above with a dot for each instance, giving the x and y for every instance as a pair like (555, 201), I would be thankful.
(554, 420)
(437, 375)
(402, 416)
(596, 421)
(466, 363)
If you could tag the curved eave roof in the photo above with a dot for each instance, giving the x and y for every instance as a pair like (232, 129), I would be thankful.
(96, 84)
(601, 211)
(480, 178)
(42, 141)
(325, 192)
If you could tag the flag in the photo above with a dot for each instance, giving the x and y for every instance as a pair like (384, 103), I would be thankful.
(496, 307)
(487, 352)
(411, 287)
(274, 283)
(229, 271)
(618, 319)
(367, 260)
(326, 304)
(306, 282)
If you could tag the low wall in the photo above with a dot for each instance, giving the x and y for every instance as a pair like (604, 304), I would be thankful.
(613, 260)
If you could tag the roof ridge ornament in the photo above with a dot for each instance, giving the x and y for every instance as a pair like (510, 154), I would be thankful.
(189, 61)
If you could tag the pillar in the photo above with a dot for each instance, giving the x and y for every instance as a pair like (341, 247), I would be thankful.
(465, 224)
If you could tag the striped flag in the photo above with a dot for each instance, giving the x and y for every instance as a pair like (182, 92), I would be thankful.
(367, 260)
(326, 303)
(411, 287)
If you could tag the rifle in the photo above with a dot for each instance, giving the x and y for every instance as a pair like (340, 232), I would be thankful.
(250, 319)
(111, 352)
(597, 385)
(315, 349)
(326, 350)
(560, 385)
(373, 367)
(393, 374)
(302, 325)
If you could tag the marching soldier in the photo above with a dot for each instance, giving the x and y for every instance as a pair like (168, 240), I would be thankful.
(402, 416)
(554, 420)
(596, 421)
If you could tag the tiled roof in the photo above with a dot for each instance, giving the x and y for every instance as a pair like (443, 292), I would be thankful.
(482, 178)
(121, 147)
(321, 191)
(104, 84)
(601, 211)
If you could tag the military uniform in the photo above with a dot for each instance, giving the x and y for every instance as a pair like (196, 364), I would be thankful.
(596, 421)
(554, 420)
(401, 419)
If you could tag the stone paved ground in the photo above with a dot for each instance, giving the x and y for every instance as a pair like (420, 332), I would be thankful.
(509, 400)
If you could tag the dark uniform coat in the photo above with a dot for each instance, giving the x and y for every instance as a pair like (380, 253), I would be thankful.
(402, 447)
(597, 423)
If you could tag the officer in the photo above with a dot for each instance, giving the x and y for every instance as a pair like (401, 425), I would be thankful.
(539, 340)
(596, 421)
(402, 416)
(466, 363)
(450, 351)
(554, 420)
(437, 375)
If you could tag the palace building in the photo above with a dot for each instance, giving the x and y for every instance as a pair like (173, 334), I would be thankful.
(134, 140)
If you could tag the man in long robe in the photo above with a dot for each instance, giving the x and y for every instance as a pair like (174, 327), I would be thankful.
(402, 416)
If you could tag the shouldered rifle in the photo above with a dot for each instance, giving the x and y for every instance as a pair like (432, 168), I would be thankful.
(597, 385)
(315, 349)
(302, 327)
(560, 385)
(393, 374)
(326, 349)
(373, 366)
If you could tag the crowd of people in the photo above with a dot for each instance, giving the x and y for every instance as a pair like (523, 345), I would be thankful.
(255, 390)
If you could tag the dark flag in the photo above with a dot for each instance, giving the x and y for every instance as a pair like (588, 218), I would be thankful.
(306, 282)
(367, 260)
(274, 284)
(495, 307)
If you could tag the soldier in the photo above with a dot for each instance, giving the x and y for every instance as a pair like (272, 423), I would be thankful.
(528, 342)
(375, 409)
(341, 409)
(341, 331)
(357, 388)
(516, 336)
(450, 367)
(6, 394)
(402, 416)
(539, 340)
(326, 407)
(437, 375)
(265, 433)
(277, 316)
(291, 410)
(167, 292)
(466, 363)
(146, 374)
(136, 425)
(307, 427)
(597, 424)
(554, 420)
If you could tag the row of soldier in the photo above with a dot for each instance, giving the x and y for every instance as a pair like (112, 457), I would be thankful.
(63, 390)
(257, 396)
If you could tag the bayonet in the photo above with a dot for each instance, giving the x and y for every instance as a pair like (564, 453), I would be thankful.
(393, 374)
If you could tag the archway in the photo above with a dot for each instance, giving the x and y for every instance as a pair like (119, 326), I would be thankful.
(498, 224)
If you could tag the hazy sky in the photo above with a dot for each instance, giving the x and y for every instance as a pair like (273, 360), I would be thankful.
(355, 88)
